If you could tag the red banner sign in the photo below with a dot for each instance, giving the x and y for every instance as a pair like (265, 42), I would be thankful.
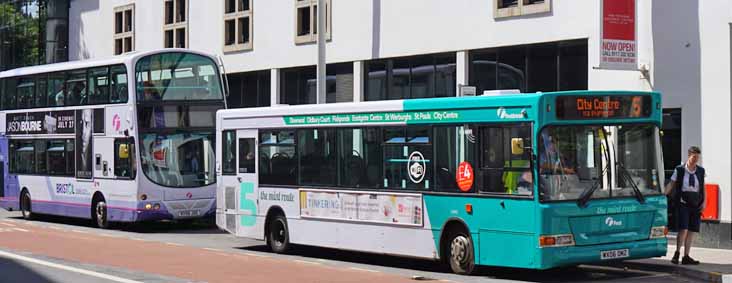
(618, 46)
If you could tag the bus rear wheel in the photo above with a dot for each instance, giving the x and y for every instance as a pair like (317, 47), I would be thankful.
(278, 238)
(25, 206)
(461, 252)
(100, 214)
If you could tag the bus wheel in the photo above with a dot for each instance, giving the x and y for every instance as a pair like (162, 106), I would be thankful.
(25, 206)
(100, 214)
(278, 237)
(462, 255)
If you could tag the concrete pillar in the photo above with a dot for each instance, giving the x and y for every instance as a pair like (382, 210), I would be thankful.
(358, 81)
(462, 65)
(274, 96)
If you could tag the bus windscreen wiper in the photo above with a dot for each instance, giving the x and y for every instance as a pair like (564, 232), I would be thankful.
(587, 193)
(629, 179)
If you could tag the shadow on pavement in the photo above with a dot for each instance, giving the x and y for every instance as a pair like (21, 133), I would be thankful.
(567, 274)
(13, 271)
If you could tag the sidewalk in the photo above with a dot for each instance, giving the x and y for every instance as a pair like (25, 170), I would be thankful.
(716, 264)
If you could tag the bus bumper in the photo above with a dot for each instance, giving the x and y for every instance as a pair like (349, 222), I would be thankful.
(551, 257)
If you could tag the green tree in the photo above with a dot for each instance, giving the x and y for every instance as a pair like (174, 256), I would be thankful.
(20, 34)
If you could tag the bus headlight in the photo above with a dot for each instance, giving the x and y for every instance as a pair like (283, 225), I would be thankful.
(148, 206)
(556, 240)
(156, 206)
(658, 232)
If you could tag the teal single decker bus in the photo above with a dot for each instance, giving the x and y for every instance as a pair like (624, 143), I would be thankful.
(526, 180)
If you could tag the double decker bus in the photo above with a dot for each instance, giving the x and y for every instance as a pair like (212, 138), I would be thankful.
(536, 181)
(124, 139)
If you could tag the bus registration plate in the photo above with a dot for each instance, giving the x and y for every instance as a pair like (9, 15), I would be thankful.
(185, 213)
(613, 254)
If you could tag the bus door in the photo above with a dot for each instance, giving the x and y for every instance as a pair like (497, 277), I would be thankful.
(246, 186)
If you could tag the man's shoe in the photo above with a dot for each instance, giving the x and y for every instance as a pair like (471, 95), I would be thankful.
(675, 259)
(688, 260)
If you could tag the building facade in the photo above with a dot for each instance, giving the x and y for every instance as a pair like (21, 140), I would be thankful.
(33, 32)
(379, 49)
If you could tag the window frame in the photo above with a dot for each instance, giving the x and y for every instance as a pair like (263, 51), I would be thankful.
(35, 171)
(239, 14)
(477, 163)
(176, 25)
(523, 7)
(131, 157)
(224, 151)
(51, 80)
(122, 36)
(312, 36)
(478, 184)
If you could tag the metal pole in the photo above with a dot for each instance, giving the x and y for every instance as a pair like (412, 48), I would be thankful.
(321, 52)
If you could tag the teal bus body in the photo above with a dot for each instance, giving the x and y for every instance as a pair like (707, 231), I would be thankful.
(506, 229)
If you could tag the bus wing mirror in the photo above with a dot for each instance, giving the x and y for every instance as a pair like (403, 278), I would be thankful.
(517, 146)
(124, 151)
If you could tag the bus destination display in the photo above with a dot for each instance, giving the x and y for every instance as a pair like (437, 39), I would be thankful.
(599, 107)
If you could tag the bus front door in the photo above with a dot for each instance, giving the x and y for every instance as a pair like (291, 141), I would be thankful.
(249, 224)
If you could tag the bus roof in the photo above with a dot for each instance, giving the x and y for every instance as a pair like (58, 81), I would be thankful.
(527, 100)
(81, 64)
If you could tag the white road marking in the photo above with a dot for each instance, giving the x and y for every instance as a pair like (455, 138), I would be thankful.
(137, 239)
(213, 250)
(67, 268)
(79, 231)
(364, 269)
(174, 244)
(8, 224)
(20, 229)
(307, 262)
(257, 255)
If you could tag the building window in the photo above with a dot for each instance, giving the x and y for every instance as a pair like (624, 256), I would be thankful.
(530, 68)
(237, 25)
(299, 85)
(175, 27)
(306, 21)
(250, 89)
(124, 29)
(339, 83)
(511, 8)
(411, 77)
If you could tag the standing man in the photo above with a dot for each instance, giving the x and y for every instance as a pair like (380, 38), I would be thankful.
(687, 194)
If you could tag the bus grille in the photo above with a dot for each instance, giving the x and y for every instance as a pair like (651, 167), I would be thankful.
(230, 200)
(231, 223)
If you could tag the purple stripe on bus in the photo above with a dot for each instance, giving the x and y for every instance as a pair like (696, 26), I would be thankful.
(61, 209)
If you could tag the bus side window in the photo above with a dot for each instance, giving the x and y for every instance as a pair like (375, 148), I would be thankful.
(492, 159)
(246, 155)
(124, 158)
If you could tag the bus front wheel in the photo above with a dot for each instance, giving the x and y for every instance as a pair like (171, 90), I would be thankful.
(462, 255)
(278, 237)
(25, 206)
